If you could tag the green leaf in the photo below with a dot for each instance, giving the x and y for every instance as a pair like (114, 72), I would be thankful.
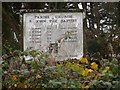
(21, 78)
(108, 84)
(24, 53)
(25, 72)
(64, 80)
(47, 55)
(31, 80)
(6, 65)
(33, 65)
(114, 61)
(34, 53)
(0, 71)
(16, 71)
(93, 82)
(42, 62)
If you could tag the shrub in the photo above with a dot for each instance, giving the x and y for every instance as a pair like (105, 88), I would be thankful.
(29, 70)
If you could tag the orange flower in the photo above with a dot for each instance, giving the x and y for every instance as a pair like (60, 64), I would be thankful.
(14, 77)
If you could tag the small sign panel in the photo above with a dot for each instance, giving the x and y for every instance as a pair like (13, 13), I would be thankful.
(61, 33)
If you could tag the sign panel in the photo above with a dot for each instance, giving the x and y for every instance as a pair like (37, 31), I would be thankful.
(61, 33)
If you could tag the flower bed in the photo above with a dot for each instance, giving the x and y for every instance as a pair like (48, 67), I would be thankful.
(35, 73)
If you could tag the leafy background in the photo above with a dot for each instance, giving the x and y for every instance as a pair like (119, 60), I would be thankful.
(98, 69)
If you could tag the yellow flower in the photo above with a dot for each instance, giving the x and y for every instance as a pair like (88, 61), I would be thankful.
(107, 67)
(87, 87)
(97, 76)
(85, 72)
(90, 70)
(81, 85)
(76, 78)
(38, 76)
(83, 60)
(94, 66)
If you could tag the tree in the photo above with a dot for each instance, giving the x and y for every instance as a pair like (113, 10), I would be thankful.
(101, 24)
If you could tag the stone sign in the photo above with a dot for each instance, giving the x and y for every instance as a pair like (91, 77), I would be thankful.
(58, 32)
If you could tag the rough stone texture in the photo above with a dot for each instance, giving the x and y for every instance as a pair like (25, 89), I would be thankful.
(58, 33)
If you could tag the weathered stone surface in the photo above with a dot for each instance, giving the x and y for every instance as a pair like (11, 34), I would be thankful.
(58, 33)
